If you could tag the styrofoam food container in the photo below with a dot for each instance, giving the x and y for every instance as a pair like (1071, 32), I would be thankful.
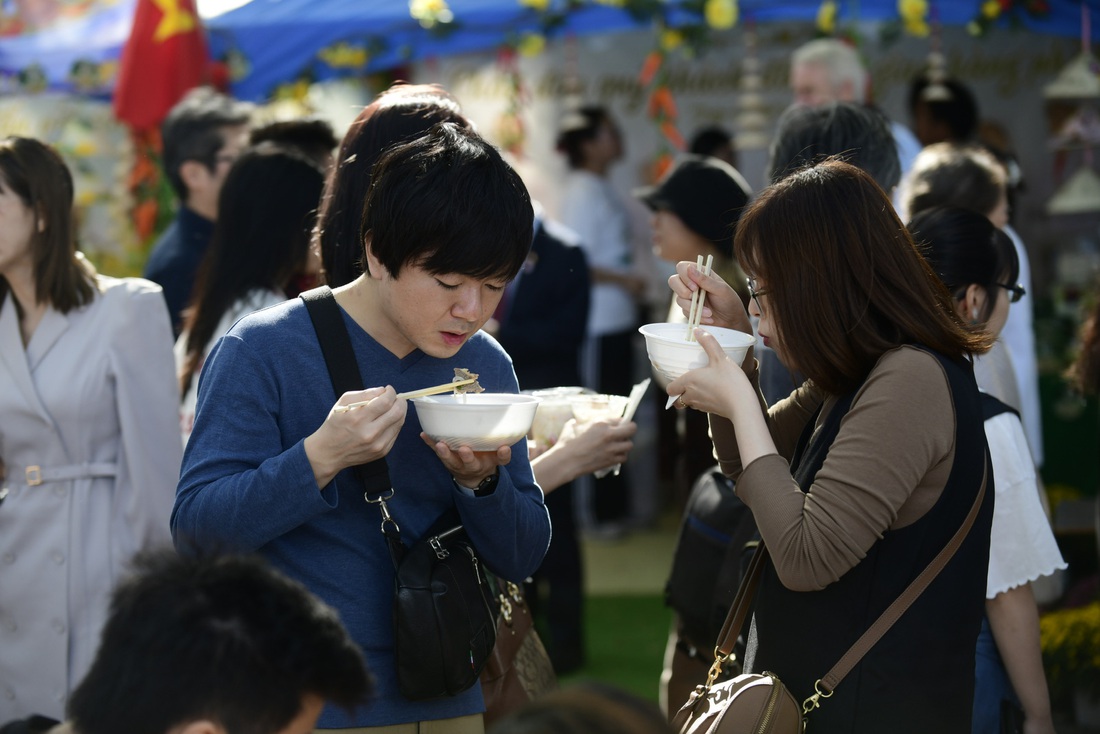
(672, 355)
(554, 411)
(483, 421)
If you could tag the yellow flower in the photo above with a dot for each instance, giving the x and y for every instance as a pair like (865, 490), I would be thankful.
(531, 44)
(914, 16)
(721, 14)
(826, 17)
(430, 12)
(671, 39)
(536, 4)
(991, 9)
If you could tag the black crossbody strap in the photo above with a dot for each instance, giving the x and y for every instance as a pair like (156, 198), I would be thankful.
(343, 370)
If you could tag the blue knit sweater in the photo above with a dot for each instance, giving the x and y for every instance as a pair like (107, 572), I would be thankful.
(246, 485)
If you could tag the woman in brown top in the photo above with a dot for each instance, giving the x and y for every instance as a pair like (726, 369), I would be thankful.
(864, 473)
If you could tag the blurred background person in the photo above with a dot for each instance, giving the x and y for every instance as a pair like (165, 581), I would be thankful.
(591, 141)
(540, 322)
(1084, 373)
(312, 136)
(316, 139)
(977, 263)
(970, 177)
(942, 111)
(202, 136)
(804, 136)
(695, 209)
(261, 240)
(829, 70)
(715, 141)
(88, 432)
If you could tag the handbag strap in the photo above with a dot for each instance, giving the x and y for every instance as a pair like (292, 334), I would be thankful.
(343, 370)
(825, 686)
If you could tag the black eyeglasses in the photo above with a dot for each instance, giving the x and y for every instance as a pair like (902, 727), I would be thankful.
(753, 292)
(1015, 292)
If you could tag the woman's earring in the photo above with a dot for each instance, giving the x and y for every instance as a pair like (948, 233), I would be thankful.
(974, 315)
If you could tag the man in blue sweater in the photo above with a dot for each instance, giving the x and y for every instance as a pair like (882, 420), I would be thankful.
(446, 225)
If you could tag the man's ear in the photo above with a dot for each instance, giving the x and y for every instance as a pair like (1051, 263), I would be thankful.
(375, 269)
(193, 174)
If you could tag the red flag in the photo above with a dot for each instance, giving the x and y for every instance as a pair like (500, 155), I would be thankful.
(165, 56)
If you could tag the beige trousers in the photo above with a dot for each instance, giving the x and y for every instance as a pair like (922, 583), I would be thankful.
(472, 724)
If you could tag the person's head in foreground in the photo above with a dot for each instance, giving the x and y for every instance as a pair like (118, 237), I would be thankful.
(836, 279)
(446, 225)
(224, 645)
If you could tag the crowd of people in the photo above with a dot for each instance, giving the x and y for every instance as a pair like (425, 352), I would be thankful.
(891, 399)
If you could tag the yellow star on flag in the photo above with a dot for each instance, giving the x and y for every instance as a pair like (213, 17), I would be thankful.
(176, 20)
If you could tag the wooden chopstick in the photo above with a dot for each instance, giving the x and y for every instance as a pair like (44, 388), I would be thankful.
(424, 392)
(696, 315)
(694, 302)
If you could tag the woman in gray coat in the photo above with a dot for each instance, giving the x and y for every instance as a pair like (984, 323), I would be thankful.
(89, 433)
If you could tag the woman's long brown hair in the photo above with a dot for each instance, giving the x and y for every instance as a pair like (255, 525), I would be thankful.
(844, 281)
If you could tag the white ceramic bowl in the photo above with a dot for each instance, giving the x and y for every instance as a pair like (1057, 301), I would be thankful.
(672, 355)
(483, 421)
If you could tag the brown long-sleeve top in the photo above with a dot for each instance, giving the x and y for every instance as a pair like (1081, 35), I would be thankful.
(886, 468)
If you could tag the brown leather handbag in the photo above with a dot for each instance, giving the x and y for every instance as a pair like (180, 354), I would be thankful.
(759, 703)
(519, 668)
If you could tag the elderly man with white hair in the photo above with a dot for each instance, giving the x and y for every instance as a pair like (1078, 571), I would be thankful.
(829, 70)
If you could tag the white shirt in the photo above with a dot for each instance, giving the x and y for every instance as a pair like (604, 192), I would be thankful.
(592, 208)
(1019, 338)
(253, 301)
(1021, 545)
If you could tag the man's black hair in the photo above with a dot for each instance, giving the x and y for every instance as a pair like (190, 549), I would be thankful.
(312, 136)
(447, 202)
(709, 139)
(226, 639)
(958, 112)
(856, 133)
(193, 131)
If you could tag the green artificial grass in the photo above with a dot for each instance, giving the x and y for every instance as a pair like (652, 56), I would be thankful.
(625, 642)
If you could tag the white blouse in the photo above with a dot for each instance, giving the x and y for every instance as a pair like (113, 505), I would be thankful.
(1022, 546)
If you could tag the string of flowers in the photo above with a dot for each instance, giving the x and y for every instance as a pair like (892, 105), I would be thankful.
(992, 11)
(511, 132)
(660, 105)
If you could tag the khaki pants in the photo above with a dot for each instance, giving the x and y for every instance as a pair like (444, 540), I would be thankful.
(472, 724)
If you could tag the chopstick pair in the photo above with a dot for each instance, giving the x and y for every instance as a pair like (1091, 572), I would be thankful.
(698, 298)
(695, 313)
(424, 392)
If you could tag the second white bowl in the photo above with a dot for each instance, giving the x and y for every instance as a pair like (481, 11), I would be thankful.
(672, 355)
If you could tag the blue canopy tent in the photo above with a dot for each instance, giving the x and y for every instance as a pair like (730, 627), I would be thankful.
(281, 40)
(269, 42)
